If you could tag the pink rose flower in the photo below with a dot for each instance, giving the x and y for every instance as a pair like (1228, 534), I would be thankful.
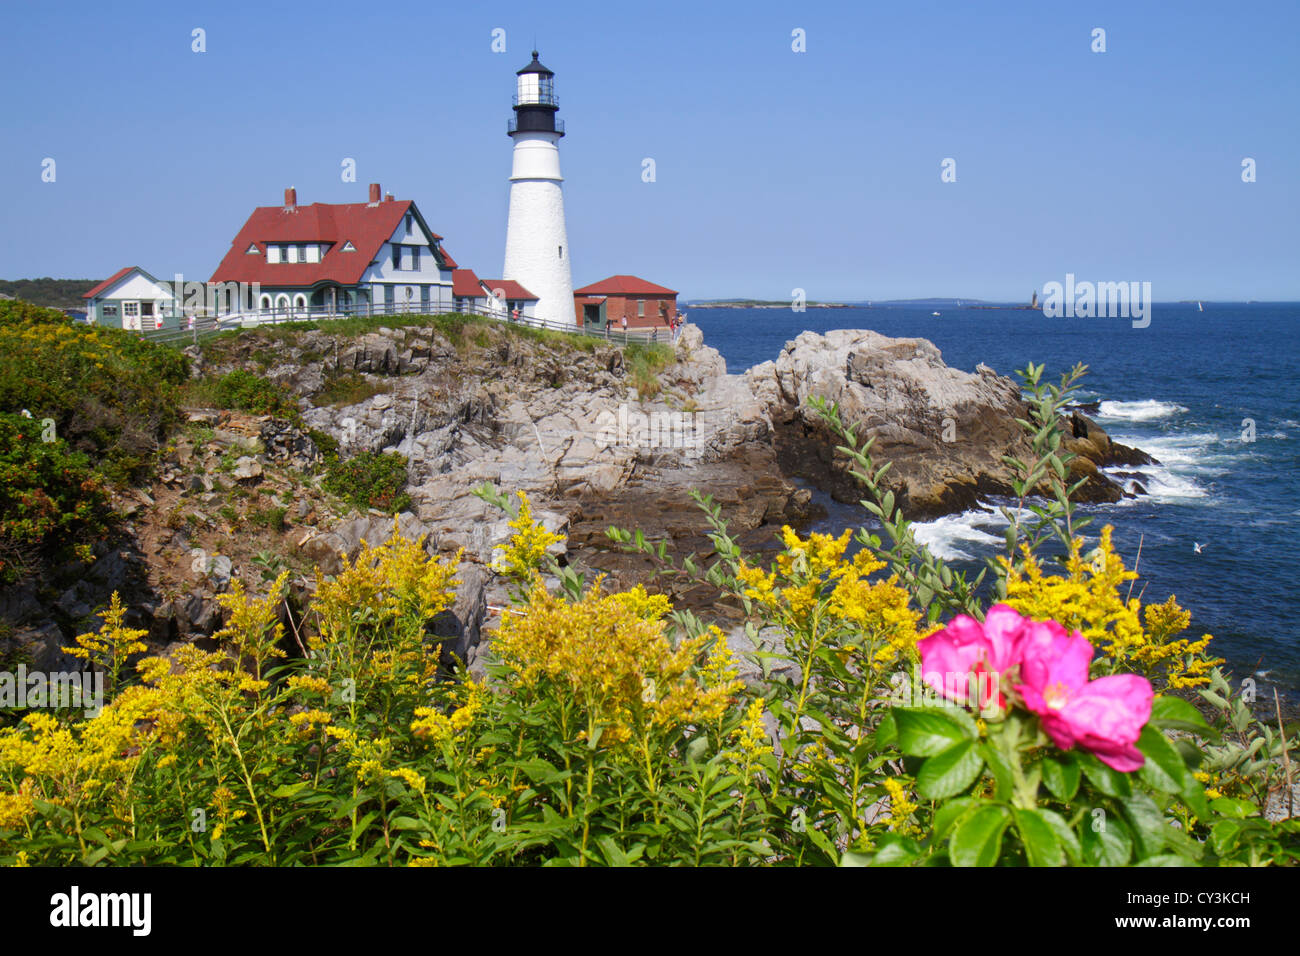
(966, 648)
(1104, 716)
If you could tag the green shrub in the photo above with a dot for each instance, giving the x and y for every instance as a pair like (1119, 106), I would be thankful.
(370, 480)
(346, 389)
(245, 391)
(326, 443)
(53, 506)
(111, 393)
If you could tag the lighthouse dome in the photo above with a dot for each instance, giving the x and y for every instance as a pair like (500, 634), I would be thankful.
(535, 67)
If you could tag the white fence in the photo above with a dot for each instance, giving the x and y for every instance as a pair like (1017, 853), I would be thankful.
(193, 328)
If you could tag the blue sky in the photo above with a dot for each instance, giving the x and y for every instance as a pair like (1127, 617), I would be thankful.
(774, 169)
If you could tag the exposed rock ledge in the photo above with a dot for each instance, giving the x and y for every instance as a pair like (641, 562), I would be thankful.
(565, 426)
(945, 432)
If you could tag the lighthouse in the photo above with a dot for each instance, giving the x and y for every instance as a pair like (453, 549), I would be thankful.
(537, 247)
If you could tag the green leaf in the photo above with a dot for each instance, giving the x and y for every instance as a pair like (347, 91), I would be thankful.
(1068, 840)
(1151, 829)
(1042, 847)
(1174, 713)
(978, 841)
(949, 773)
(1105, 838)
(1193, 794)
(950, 813)
(886, 731)
(1061, 775)
(1164, 768)
(288, 789)
(1109, 781)
(1214, 699)
(895, 850)
(1234, 808)
(1001, 770)
(1223, 836)
(924, 732)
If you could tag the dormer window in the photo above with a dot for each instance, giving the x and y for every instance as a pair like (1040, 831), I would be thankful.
(273, 255)
(349, 247)
(253, 250)
(293, 254)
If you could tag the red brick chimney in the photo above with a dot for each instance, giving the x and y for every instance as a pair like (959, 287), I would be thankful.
(374, 193)
(291, 198)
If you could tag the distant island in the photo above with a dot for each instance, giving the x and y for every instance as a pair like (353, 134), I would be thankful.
(47, 292)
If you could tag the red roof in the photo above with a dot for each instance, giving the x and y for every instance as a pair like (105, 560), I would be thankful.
(366, 225)
(623, 285)
(466, 285)
(510, 288)
(109, 281)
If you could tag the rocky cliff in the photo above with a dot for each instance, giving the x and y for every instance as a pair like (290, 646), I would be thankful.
(945, 432)
(596, 436)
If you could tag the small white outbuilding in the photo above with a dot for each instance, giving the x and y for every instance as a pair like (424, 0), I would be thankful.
(131, 299)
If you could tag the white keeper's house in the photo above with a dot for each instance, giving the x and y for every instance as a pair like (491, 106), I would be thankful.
(379, 255)
(131, 299)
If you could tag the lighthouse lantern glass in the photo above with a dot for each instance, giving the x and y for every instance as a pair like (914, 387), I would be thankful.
(528, 88)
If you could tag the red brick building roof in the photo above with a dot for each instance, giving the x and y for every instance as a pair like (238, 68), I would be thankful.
(367, 226)
(624, 285)
(511, 289)
(466, 285)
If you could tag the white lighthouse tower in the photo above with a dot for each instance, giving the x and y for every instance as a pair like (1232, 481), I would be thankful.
(537, 247)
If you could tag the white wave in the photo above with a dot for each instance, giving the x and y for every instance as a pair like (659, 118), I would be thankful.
(1141, 411)
(1195, 451)
(1162, 484)
(949, 537)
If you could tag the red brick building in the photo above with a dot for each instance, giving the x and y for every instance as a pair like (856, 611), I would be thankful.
(609, 301)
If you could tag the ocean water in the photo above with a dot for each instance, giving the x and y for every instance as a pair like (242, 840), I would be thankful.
(1187, 390)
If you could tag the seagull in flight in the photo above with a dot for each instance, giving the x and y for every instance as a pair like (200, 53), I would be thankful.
(1197, 547)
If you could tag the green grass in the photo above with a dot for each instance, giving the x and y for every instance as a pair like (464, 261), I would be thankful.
(644, 363)
(270, 518)
(453, 326)
(346, 389)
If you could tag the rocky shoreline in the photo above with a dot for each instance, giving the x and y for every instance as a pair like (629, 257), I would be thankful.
(562, 423)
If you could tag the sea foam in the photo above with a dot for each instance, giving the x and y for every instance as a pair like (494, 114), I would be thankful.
(1141, 411)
